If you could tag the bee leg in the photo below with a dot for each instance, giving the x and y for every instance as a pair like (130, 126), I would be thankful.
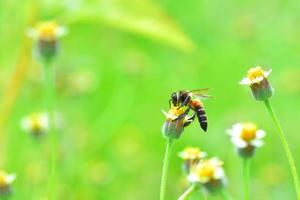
(170, 101)
(190, 120)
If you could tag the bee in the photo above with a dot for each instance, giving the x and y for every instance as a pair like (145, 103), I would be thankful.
(192, 100)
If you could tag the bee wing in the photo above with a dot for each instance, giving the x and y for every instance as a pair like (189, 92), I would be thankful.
(200, 90)
(202, 96)
(200, 93)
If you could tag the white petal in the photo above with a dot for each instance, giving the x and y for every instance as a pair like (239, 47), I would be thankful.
(203, 154)
(245, 81)
(165, 113)
(236, 130)
(219, 173)
(193, 178)
(32, 33)
(267, 73)
(258, 79)
(260, 134)
(257, 143)
(61, 31)
(238, 142)
(10, 178)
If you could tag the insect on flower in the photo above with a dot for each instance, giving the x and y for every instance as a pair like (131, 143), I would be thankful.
(6, 181)
(246, 137)
(37, 124)
(176, 120)
(191, 100)
(257, 80)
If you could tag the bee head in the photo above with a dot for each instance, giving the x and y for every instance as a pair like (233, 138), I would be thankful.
(175, 98)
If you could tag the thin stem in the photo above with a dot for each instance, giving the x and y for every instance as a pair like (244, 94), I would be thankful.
(246, 178)
(166, 162)
(286, 148)
(188, 192)
(225, 195)
(50, 105)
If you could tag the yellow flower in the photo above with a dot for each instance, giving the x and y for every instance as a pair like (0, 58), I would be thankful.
(257, 80)
(207, 171)
(47, 31)
(36, 123)
(245, 134)
(192, 153)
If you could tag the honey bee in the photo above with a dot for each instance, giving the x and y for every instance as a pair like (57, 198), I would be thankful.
(192, 100)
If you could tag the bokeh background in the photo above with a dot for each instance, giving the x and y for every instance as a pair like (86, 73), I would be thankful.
(117, 67)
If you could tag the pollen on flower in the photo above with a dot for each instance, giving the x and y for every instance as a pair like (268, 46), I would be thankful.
(177, 111)
(248, 131)
(255, 72)
(206, 171)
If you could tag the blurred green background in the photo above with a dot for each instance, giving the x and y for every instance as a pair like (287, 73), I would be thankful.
(117, 67)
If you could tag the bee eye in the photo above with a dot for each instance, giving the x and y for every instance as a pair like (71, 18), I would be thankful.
(174, 98)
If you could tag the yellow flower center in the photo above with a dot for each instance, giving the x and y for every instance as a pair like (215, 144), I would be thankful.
(206, 171)
(3, 179)
(36, 124)
(255, 72)
(177, 111)
(47, 30)
(248, 131)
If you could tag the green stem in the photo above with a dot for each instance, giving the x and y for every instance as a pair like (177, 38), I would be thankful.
(286, 148)
(50, 105)
(165, 169)
(246, 177)
(188, 192)
(225, 195)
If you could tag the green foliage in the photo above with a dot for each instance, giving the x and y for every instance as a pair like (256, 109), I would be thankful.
(110, 140)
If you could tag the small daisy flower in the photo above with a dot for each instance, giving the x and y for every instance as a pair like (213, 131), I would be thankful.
(191, 156)
(176, 121)
(246, 137)
(257, 80)
(6, 181)
(37, 124)
(47, 34)
(209, 173)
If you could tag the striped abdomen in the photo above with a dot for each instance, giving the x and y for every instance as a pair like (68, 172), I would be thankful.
(198, 107)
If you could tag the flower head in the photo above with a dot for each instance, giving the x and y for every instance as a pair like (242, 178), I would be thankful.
(176, 121)
(47, 31)
(209, 173)
(191, 156)
(257, 80)
(36, 124)
(246, 137)
(5, 182)
(46, 34)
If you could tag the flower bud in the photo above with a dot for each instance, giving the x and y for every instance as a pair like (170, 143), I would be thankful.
(46, 34)
(257, 80)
